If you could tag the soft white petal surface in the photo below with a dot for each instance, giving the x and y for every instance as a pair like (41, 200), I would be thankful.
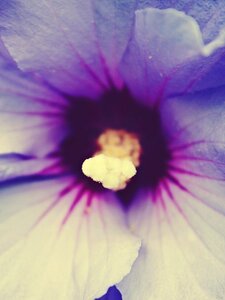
(53, 254)
(182, 255)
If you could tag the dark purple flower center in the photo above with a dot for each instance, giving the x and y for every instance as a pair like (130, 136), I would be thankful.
(87, 119)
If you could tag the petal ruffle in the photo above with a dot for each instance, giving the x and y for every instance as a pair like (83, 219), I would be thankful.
(60, 242)
(209, 14)
(76, 46)
(166, 54)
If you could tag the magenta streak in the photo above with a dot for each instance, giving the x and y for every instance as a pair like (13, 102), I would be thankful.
(185, 146)
(195, 158)
(76, 200)
(184, 189)
(49, 169)
(155, 195)
(58, 199)
(72, 46)
(190, 173)
(172, 198)
(101, 55)
(162, 202)
(188, 145)
(89, 199)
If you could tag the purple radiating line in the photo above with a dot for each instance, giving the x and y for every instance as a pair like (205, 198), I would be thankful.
(175, 136)
(188, 172)
(72, 46)
(181, 211)
(73, 205)
(89, 199)
(195, 158)
(172, 198)
(184, 189)
(101, 55)
(58, 199)
(188, 145)
(162, 202)
(185, 146)
(50, 168)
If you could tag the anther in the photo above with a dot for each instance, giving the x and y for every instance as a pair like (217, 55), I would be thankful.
(115, 161)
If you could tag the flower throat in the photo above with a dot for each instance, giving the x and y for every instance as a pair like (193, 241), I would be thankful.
(115, 130)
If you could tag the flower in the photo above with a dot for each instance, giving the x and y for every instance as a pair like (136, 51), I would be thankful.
(135, 90)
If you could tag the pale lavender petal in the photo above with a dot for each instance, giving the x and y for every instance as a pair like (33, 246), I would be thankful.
(4, 55)
(196, 120)
(114, 22)
(182, 223)
(208, 72)
(75, 46)
(197, 140)
(14, 166)
(31, 115)
(165, 54)
(58, 241)
(210, 15)
(182, 254)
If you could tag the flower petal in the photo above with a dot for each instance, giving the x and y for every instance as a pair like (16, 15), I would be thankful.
(182, 255)
(162, 55)
(30, 115)
(112, 294)
(182, 224)
(54, 246)
(208, 14)
(74, 45)
(197, 140)
(208, 72)
(197, 121)
(16, 166)
(4, 55)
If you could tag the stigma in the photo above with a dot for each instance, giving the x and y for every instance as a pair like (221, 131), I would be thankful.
(116, 159)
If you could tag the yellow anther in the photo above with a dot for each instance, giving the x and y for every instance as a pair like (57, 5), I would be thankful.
(114, 164)
(120, 144)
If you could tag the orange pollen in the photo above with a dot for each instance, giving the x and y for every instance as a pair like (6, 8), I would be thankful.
(120, 144)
